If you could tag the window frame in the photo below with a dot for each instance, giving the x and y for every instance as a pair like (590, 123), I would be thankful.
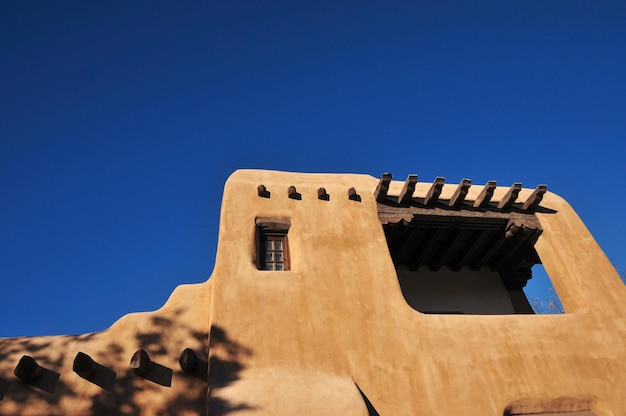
(272, 229)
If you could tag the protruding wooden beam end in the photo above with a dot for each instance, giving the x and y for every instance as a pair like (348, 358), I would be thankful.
(292, 193)
(435, 190)
(353, 196)
(383, 187)
(140, 362)
(27, 369)
(406, 195)
(84, 365)
(322, 194)
(188, 360)
(511, 196)
(461, 192)
(535, 198)
(262, 191)
(486, 194)
(193, 365)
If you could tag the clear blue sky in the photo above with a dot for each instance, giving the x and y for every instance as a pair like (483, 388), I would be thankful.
(120, 122)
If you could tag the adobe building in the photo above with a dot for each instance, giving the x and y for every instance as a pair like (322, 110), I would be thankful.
(353, 295)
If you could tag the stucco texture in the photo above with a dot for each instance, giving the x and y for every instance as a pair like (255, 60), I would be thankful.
(335, 335)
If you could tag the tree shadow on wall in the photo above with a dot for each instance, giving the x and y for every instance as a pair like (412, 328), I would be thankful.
(45, 390)
(123, 400)
(125, 394)
(225, 365)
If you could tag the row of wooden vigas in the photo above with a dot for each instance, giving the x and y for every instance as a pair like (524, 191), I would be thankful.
(293, 193)
(32, 373)
(432, 196)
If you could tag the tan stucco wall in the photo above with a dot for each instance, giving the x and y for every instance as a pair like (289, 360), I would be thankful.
(164, 334)
(300, 342)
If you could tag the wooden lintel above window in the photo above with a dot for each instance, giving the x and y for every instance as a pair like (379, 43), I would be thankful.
(273, 223)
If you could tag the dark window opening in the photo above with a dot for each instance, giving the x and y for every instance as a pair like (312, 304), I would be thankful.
(541, 295)
(272, 247)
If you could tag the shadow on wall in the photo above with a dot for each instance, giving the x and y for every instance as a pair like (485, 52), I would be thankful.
(122, 388)
(445, 291)
(371, 410)
(225, 365)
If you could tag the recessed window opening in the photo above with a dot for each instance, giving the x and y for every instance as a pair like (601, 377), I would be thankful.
(542, 296)
(272, 248)
(274, 256)
(464, 260)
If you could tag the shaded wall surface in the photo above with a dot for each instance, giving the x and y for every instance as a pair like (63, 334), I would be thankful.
(335, 334)
(478, 292)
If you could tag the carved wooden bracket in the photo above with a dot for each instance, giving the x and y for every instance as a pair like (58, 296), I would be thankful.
(511, 196)
(435, 190)
(406, 195)
(383, 187)
(523, 230)
(461, 191)
(486, 194)
(535, 198)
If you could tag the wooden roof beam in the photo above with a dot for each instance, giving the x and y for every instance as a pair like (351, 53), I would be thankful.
(485, 196)
(433, 193)
(395, 234)
(461, 191)
(507, 257)
(485, 258)
(406, 195)
(431, 248)
(510, 197)
(535, 198)
(383, 187)
(479, 241)
(454, 250)
(408, 247)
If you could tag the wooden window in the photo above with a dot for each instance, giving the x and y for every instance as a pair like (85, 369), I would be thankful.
(272, 251)
(275, 249)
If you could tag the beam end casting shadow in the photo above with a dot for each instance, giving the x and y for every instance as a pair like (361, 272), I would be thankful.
(145, 368)
(194, 365)
(4, 387)
(94, 372)
(32, 373)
